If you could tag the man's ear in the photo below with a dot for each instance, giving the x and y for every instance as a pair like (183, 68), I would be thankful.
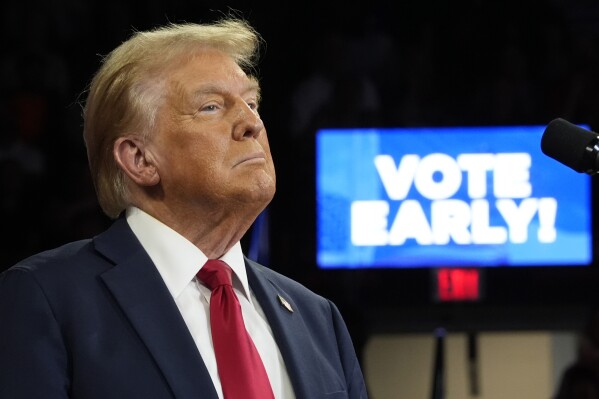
(131, 155)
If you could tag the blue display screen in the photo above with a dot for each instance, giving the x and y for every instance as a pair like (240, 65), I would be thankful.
(456, 196)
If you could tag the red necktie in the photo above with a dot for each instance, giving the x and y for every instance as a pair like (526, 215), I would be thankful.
(240, 368)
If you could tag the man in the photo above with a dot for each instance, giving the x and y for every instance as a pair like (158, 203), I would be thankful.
(180, 159)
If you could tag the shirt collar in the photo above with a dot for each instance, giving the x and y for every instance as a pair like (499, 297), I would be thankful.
(177, 259)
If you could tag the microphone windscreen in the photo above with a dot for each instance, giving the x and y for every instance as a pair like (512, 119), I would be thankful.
(567, 143)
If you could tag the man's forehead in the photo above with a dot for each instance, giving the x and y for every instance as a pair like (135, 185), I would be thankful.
(209, 70)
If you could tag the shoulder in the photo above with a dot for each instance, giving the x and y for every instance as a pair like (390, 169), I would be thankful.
(281, 280)
(83, 257)
(56, 267)
(301, 295)
(53, 258)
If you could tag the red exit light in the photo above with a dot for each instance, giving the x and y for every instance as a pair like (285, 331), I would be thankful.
(457, 284)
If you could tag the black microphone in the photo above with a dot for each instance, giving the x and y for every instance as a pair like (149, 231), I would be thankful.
(571, 145)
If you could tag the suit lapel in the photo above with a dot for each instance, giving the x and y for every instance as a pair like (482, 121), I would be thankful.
(139, 290)
(289, 331)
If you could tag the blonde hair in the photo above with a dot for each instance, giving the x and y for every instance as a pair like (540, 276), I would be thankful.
(126, 92)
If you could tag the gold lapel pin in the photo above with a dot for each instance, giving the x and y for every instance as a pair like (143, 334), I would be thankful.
(285, 303)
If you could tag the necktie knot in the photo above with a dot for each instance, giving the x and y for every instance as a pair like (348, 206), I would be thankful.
(215, 273)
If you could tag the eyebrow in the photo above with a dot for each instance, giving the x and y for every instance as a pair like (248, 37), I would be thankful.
(212, 88)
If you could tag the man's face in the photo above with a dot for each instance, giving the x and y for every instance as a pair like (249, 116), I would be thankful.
(210, 146)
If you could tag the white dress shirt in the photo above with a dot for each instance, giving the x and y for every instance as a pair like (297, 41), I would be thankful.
(178, 261)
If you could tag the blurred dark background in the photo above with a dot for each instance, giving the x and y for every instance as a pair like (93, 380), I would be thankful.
(326, 64)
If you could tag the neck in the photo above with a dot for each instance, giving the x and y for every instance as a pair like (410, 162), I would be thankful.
(213, 232)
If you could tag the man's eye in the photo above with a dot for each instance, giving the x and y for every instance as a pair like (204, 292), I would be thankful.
(211, 107)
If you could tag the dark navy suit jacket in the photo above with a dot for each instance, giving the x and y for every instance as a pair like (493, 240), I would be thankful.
(93, 319)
